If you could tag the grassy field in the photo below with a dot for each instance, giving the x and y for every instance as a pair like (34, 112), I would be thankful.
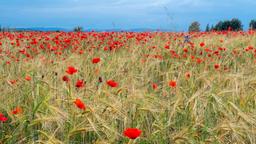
(89, 87)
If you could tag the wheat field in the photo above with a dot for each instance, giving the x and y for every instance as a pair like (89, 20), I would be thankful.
(202, 90)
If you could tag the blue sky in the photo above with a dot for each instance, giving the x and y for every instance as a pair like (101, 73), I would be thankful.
(125, 14)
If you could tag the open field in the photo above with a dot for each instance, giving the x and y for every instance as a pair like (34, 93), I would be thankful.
(89, 87)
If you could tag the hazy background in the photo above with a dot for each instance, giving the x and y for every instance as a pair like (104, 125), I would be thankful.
(123, 14)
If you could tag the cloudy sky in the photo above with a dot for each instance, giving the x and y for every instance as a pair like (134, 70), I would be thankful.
(125, 14)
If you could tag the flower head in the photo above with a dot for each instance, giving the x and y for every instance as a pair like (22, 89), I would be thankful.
(95, 60)
(3, 118)
(79, 104)
(132, 133)
(217, 66)
(28, 78)
(65, 78)
(80, 83)
(17, 110)
(13, 81)
(112, 83)
(187, 75)
(71, 70)
(172, 83)
(202, 44)
(154, 86)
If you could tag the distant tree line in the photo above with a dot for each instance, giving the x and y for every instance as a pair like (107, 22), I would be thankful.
(234, 25)
(231, 25)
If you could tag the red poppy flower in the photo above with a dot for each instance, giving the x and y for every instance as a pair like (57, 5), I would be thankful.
(105, 48)
(132, 133)
(202, 44)
(13, 81)
(80, 83)
(187, 75)
(71, 70)
(65, 79)
(172, 84)
(198, 60)
(17, 110)
(167, 47)
(79, 104)
(216, 66)
(185, 50)
(81, 52)
(154, 86)
(95, 60)
(28, 78)
(3, 118)
(112, 83)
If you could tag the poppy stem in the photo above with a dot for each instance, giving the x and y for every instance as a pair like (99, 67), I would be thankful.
(69, 97)
(130, 141)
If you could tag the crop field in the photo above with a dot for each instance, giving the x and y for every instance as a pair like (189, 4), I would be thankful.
(128, 87)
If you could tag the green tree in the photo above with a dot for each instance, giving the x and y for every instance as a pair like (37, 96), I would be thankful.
(252, 25)
(226, 25)
(236, 24)
(207, 29)
(218, 26)
(212, 28)
(78, 29)
(194, 27)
